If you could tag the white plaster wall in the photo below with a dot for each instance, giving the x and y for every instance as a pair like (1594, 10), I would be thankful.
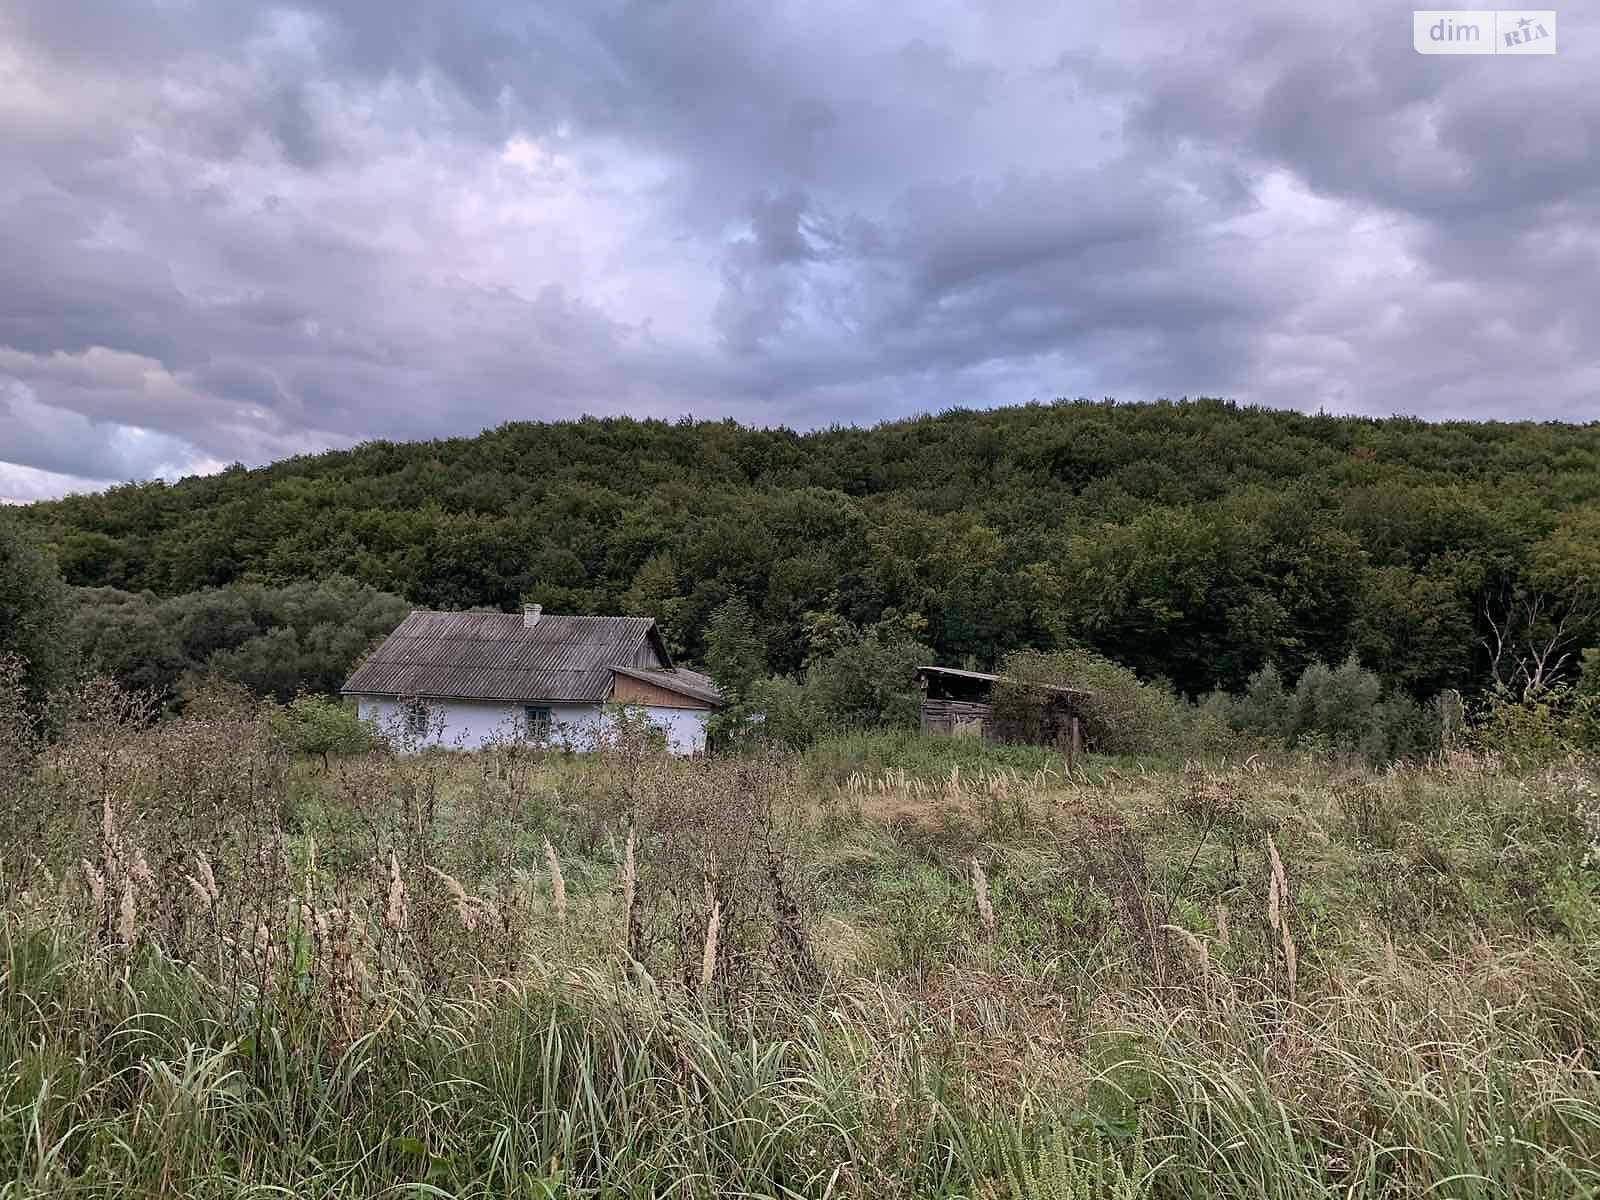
(465, 725)
(455, 724)
(685, 727)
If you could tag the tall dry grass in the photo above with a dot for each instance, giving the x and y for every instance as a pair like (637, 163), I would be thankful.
(222, 973)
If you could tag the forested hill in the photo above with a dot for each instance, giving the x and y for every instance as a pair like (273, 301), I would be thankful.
(1194, 541)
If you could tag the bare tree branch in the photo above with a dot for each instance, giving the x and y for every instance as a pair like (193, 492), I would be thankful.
(1535, 635)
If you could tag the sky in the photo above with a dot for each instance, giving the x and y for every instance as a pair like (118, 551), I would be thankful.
(235, 232)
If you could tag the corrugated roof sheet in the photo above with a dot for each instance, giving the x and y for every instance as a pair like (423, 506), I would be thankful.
(494, 656)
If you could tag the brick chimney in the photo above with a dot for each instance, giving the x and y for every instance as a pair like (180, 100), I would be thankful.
(530, 615)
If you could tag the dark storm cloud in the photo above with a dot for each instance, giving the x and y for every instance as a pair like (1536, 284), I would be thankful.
(240, 230)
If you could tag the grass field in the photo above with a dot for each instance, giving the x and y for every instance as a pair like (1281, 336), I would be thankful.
(894, 967)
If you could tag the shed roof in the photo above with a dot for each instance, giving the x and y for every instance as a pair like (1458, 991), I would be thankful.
(496, 656)
(986, 677)
(677, 679)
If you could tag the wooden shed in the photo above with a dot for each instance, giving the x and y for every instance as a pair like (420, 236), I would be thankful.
(961, 704)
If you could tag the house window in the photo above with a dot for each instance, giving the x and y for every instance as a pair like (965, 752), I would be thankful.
(416, 714)
(538, 722)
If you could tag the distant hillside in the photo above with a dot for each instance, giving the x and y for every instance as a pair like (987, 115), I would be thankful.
(1195, 541)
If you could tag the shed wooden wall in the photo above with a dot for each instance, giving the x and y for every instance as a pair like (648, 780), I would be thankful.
(628, 690)
(957, 716)
(975, 718)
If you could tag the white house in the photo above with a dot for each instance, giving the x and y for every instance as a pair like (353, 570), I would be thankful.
(469, 679)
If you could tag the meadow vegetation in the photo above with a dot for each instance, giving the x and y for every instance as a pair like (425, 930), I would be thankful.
(887, 966)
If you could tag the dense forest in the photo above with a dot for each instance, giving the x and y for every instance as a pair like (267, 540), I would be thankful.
(1195, 542)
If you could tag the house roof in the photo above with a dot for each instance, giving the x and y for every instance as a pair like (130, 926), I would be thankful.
(986, 677)
(677, 679)
(495, 656)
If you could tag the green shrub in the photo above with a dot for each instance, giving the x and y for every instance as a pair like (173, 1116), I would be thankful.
(314, 725)
(1404, 729)
(869, 682)
(1339, 702)
(1542, 724)
(866, 683)
(1340, 709)
(1266, 707)
(1589, 672)
(789, 713)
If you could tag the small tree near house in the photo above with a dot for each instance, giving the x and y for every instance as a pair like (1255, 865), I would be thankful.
(314, 725)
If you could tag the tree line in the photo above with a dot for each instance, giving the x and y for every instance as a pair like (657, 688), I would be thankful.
(1195, 542)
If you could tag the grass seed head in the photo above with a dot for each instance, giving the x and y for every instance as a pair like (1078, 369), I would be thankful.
(97, 884)
(558, 883)
(394, 913)
(980, 888)
(708, 956)
(207, 877)
(126, 928)
(466, 913)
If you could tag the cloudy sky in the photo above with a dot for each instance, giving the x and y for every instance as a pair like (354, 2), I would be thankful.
(238, 231)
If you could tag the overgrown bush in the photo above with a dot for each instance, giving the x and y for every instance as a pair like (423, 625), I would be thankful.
(1539, 725)
(1343, 709)
(785, 712)
(1120, 713)
(865, 683)
(1266, 708)
(1589, 672)
(869, 682)
(1339, 703)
